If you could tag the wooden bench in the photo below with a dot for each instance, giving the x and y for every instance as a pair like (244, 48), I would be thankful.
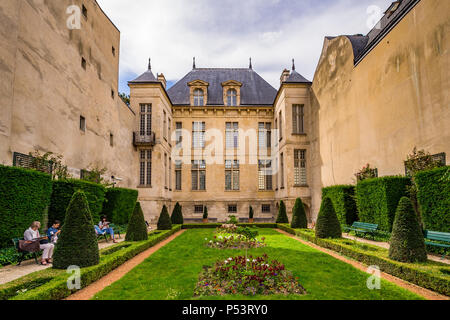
(437, 236)
(23, 253)
(362, 228)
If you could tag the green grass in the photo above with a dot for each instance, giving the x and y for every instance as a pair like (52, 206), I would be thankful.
(172, 272)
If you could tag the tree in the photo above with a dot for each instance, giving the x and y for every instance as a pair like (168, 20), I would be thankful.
(328, 225)
(164, 222)
(125, 98)
(299, 220)
(407, 242)
(137, 228)
(77, 244)
(282, 216)
(177, 215)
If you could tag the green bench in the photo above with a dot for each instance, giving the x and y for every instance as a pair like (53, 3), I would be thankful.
(23, 253)
(443, 237)
(363, 228)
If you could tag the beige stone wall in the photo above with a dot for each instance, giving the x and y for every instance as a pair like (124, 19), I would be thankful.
(46, 90)
(395, 99)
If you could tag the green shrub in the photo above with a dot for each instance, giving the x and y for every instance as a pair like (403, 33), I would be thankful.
(77, 244)
(250, 213)
(434, 198)
(343, 199)
(63, 191)
(177, 214)
(299, 220)
(407, 243)
(328, 225)
(24, 198)
(377, 200)
(137, 229)
(282, 216)
(119, 204)
(205, 213)
(164, 222)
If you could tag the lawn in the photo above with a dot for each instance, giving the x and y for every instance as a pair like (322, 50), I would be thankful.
(172, 272)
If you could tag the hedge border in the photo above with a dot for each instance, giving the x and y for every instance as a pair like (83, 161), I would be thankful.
(216, 225)
(401, 270)
(343, 199)
(56, 289)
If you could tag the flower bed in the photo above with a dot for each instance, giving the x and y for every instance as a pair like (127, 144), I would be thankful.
(248, 276)
(230, 236)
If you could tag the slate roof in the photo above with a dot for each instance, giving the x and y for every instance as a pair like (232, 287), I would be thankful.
(254, 91)
(146, 77)
(296, 77)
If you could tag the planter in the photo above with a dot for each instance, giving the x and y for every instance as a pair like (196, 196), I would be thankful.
(205, 220)
(251, 220)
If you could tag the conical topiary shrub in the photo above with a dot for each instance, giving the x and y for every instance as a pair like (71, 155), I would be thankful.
(407, 242)
(177, 215)
(137, 229)
(328, 225)
(299, 220)
(282, 216)
(77, 244)
(164, 222)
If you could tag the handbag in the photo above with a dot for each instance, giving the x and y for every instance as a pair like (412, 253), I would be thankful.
(29, 247)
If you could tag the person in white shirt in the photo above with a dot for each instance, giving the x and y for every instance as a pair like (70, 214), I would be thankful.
(32, 234)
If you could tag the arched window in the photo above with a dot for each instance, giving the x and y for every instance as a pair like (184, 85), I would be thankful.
(199, 97)
(232, 97)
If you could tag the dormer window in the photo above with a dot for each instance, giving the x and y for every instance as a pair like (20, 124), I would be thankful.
(199, 97)
(232, 93)
(232, 97)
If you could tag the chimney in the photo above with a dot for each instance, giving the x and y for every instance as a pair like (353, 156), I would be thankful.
(285, 75)
(162, 79)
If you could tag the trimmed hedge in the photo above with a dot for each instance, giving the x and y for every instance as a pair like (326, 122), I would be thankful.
(177, 214)
(119, 204)
(63, 191)
(434, 198)
(164, 222)
(343, 199)
(377, 199)
(282, 215)
(137, 229)
(434, 277)
(216, 225)
(299, 219)
(327, 222)
(56, 288)
(24, 198)
(77, 244)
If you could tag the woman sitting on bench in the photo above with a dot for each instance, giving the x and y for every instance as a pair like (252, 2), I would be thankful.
(32, 235)
(103, 226)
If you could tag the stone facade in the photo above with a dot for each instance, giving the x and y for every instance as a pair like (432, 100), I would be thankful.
(373, 99)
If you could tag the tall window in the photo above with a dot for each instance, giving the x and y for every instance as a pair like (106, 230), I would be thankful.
(198, 175)
(165, 170)
(169, 128)
(170, 174)
(178, 168)
(265, 174)
(298, 118)
(232, 175)
(232, 135)
(179, 134)
(145, 177)
(82, 123)
(300, 168)
(232, 97)
(198, 134)
(146, 120)
(165, 126)
(282, 171)
(280, 126)
(199, 97)
(265, 135)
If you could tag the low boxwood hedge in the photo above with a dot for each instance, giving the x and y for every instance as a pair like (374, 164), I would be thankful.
(63, 191)
(434, 198)
(56, 288)
(216, 225)
(377, 199)
(431, 275)
(119, 204)
(343, 199)
(24, 198)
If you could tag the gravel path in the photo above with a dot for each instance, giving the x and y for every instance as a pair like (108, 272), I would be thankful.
(427, 294)
(90, 291)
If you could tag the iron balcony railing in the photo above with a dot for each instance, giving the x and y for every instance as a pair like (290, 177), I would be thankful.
(146, 140)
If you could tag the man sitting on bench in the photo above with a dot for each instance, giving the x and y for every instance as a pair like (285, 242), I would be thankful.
(32, 235)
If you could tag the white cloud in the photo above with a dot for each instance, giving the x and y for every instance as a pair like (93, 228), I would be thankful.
(226, 33)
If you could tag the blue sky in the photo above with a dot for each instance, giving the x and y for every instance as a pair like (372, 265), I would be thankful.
(226, 33)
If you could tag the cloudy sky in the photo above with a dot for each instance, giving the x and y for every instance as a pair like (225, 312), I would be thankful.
(225, 33)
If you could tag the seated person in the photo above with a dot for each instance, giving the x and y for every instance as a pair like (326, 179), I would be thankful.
(32, 235)
(103, 225)
(53, 232)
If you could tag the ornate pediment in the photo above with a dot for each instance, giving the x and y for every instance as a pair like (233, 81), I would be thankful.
(198, 83)
(231, 83)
